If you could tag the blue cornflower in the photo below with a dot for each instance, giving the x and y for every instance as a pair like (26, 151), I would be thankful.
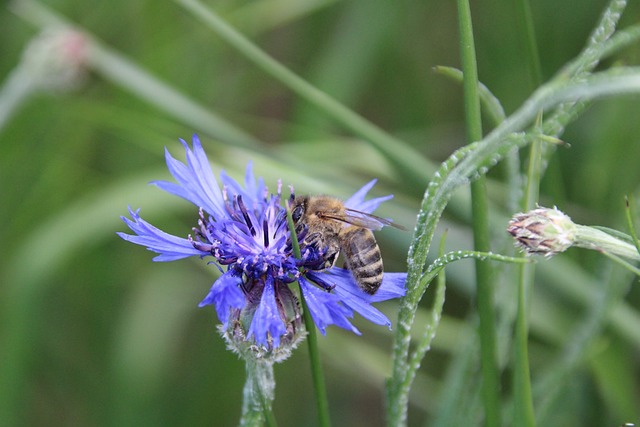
(244, 228)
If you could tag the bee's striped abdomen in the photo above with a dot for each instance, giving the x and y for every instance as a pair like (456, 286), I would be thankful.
(363, 257)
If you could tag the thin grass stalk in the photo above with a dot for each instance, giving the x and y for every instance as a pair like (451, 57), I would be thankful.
(523, 9)
(320, 388)
(523, 413)
(467, 164)
(602, 42)
(523, 410)
(480, 209)
(322, 404)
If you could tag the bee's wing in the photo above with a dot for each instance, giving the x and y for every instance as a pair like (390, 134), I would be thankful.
(362, 219)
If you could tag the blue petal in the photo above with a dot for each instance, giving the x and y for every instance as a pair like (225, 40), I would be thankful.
(183, 175)
(393, 286)
(225, 294)
(361, 305)
(371, 205)
(333, 278)
(358, 197)
(196, 182)
(358, 203)
(257, 188)
(199, 164)
(233, 188)
(169, 247)
(350, 294)
(267, 318)
(325, 308)
(253, 193)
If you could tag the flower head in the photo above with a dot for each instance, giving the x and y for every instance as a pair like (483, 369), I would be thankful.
(244, 228)
(549, 231)
(56, 59)
(543, 231)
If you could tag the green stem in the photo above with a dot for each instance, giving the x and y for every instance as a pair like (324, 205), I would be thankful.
(624, 263)
(479, 208)
(312, 341)
(523, 400)
(406, 364)
(258, 394)
(490, 105)
(316, 368)
(466, 163)
(592, 238)
(523, 413)
(403, 156)
(270, 419)
(523, 9)
(486, 307)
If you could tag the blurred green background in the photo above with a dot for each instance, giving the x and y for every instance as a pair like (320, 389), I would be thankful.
(95, 334)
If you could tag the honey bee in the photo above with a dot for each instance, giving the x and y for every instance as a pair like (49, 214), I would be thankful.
(333, 228)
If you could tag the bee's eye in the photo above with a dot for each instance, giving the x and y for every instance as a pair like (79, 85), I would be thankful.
(297, 213)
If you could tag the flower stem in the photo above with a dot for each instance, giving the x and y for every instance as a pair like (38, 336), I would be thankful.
(270, 419)
(258, 394)
(316, 368)
(592, 238)
(479, 207)
(523, 9)
(523, 400)
(322, 404)
(523, 411)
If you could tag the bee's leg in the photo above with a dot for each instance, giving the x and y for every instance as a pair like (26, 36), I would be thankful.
(329, 245)
(332, 252)
(313, 239)
(331, 256)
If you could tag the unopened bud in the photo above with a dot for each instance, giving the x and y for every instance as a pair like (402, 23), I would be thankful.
(56, 59)
(236, 332)
(543, 231)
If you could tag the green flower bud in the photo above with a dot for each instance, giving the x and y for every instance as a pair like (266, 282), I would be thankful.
(543, 231)
(55, 60)
(238, 338)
